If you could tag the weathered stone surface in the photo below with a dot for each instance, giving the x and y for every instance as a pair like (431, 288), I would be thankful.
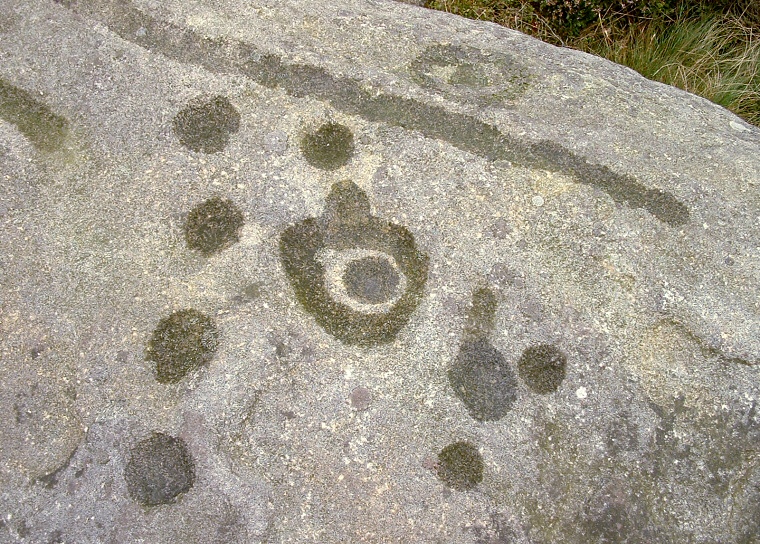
(508, 295)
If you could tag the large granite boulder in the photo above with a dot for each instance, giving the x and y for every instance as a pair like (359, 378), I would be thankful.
(356, 271)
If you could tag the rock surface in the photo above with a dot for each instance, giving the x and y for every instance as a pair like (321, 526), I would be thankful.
(357, 271)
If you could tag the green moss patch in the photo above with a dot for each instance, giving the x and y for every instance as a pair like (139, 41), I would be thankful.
(44, 129)
(181, 343)
(329, 147)
(213, 226)
(205, 126)
(160, 468)
(460, 466)
(542, 368)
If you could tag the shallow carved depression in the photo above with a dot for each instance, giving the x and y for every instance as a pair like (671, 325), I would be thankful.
(213, 226)
(329, 147)
(371, 280)
(365, 280)
(44, 129)
(359, 276)
(542, 368)
(483, 380)
(206, 125)
(480, 375)
(160, 468)
(460, 466)
(181, 343)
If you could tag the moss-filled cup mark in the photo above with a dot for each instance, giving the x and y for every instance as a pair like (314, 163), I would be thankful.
(159, 470)
(365, 280)
(213, 225)
(371, 280)
(480, 375)
(206, 125)
(542, 368)
(181, 343)
(347, 225)
(330, 147)
(460, 466)
(483, 380)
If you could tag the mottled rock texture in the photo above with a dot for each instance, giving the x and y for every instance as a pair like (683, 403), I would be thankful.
(356, 271)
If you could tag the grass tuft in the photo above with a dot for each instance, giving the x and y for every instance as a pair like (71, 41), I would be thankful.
(716, 57)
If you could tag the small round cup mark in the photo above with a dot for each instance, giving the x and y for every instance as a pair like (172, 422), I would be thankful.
(205, 126)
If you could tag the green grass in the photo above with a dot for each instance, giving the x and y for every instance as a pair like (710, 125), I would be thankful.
(714, 54)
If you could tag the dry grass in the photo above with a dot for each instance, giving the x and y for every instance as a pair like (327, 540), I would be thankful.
(717, 58)
(510, 13)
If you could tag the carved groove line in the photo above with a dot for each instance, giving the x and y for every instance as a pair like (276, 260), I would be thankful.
(221, 55)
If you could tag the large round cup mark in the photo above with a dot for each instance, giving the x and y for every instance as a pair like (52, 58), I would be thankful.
(213, 226)
(160, 468)
(460, 466)
(330, 147)
(181, 343)
(205, 126)
(542, 368)
(483, 380)
(466, 74)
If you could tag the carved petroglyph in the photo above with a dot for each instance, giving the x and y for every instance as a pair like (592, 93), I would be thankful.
(225, 55)
(360, 277)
